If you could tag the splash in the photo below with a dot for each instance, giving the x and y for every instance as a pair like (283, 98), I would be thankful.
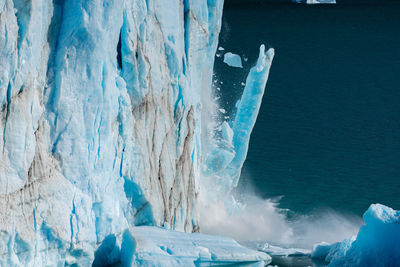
(259, 221)
(253, 219)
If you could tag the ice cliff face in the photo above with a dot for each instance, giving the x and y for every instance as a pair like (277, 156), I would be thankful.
(105, 122)
(100, 120)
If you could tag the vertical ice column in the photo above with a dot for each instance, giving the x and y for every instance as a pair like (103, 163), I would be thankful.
(247, 111)
(224, 162)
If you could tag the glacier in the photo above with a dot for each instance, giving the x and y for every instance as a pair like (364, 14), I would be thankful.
(108, 123)
(111, 139)
(376, 244)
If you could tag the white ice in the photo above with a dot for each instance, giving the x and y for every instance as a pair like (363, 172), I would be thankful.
(280, 251)
(153, 246)
(311, 2)
(233, 60)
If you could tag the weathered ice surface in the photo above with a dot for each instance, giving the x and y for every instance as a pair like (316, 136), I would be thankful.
(101, 121)
(279, 251)
(151, 246)
(377, 242)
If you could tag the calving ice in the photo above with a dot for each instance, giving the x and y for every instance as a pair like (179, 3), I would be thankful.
(110, 137)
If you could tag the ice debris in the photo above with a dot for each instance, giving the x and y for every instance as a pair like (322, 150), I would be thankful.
(233, 60)
(280, 251)
(153, 246)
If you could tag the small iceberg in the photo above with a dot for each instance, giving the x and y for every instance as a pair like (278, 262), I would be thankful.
(233, 60)
(311, 2)
(377, 242)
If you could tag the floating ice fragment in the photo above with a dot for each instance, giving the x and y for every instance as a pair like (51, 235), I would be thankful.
(233, 60)
(310, 2)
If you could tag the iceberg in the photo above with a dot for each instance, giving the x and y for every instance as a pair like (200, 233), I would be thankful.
(310, 2)
(376, 244)
(233, 60)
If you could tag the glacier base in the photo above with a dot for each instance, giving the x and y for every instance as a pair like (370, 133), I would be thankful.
(155, 246)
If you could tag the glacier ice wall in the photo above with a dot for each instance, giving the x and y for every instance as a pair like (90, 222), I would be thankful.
(100, 121)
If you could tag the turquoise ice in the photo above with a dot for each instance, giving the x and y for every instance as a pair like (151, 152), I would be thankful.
(376, 244)
(106, 122)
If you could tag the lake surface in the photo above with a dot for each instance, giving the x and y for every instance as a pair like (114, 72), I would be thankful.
(328, 133)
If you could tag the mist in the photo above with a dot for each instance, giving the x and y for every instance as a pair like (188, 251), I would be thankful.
(258, 220)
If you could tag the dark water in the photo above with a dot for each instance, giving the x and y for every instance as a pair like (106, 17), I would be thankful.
(328, 133)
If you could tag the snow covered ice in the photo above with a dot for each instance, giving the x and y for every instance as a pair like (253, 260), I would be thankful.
(151, 246)
(233, 60)
(376, 244)
(279, 251)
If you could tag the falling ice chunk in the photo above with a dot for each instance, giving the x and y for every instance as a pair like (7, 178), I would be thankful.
(233, 60)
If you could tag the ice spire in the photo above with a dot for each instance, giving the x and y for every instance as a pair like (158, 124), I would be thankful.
(225, 160)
